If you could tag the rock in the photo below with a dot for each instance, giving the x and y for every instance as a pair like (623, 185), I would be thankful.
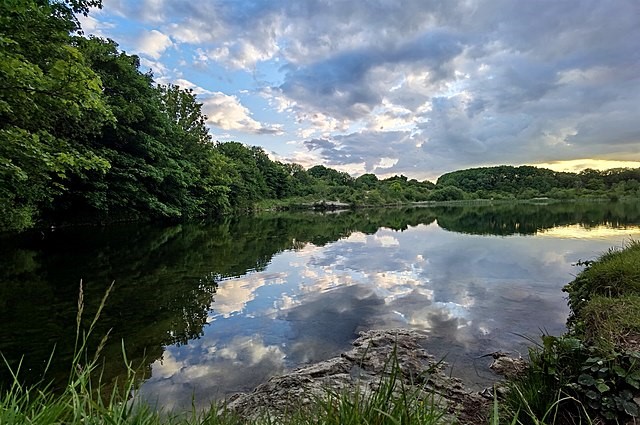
(509, 367)
(359, 371)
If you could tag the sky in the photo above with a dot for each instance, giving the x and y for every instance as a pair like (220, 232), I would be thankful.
(415, 87)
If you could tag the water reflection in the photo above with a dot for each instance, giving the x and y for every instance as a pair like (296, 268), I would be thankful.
(211, 309)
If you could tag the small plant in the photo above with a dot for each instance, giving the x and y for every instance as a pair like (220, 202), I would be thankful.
(568, 378)
(393, 402)
(607, 384)
(543, 393)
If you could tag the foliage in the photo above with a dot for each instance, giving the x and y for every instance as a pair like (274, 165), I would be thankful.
(86, 137)
(611, 323)
(526, 182)
(447, 193)
(607, 383)
(49, 97)
(576, 380)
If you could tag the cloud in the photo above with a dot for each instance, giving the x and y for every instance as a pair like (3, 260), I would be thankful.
(227, 113)
(152, 43)
(433, 86)
(195, 375)
(91, 25)
(374, 150)
(503, 88)
(347, 84)
(234, 294)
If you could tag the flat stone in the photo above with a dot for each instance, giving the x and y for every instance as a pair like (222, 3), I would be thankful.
(359, 371)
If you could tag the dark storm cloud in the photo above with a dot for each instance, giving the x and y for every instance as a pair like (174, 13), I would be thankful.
(340, 85)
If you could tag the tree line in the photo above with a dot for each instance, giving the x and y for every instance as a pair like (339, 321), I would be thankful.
(526, 182)
(85, 136)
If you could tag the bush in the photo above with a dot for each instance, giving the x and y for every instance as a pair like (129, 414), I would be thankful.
(447, 193)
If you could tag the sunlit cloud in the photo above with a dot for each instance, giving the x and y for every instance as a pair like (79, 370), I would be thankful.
(429, 87)
(227, 113)
(234, 294)
(152, 44)
(92, 25)
(205, 371)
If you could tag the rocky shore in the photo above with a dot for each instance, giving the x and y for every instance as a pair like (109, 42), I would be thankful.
(360, 371)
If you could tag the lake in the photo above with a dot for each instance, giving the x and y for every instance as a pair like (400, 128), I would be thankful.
(209, 309)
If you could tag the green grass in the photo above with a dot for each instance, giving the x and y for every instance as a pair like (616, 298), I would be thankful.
(393, 403)
(82, 403)
(612, 323)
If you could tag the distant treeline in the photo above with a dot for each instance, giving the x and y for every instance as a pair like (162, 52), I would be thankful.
(527, 182)
(85, 136)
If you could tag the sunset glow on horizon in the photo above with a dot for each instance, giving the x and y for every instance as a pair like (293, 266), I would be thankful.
(577, 165)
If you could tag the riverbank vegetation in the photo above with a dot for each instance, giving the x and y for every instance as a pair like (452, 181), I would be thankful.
(592, 373)
(87, 137)
(81, 403)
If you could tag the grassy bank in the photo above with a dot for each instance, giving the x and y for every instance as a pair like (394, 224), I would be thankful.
(592, 373)
(84, 402)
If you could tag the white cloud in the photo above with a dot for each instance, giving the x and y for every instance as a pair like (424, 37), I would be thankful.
(152, 43)
(180, 379)
(186, 84)
(227, 113)
(242, 54)
(160, 71)
(93, 26)
(234, 294)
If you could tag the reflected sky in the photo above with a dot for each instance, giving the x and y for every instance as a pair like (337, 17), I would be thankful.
(474, 294)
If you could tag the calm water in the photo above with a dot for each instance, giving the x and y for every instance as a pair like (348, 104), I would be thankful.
(206, 310)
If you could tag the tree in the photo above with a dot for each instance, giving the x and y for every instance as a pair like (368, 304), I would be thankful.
(183, 109)
(367, 181)
(49, 98)
(330, 175)
(247, 182)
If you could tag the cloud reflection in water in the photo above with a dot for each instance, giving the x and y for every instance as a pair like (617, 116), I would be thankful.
(473, 294)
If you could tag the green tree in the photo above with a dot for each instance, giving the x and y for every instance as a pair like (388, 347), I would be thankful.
(367, 181)
(49, 100)
(247, 183)
(205, 180)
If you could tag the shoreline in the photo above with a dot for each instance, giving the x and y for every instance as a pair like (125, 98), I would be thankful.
(376, 355)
